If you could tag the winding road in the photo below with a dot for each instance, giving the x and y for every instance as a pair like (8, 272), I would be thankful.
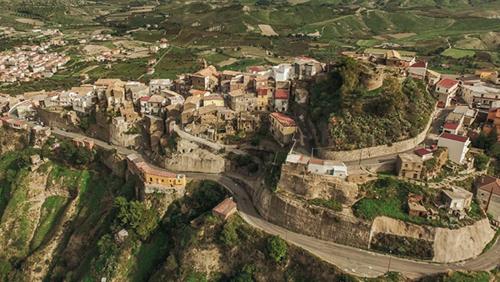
(352, 260)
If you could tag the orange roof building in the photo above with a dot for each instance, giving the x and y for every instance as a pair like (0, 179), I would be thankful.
(225, 209)
(155, 179)
(283, 128)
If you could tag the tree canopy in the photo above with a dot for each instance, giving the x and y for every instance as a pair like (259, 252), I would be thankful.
(359, 118)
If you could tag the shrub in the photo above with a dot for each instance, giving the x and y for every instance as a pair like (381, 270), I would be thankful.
(277, 248)
(330, 204)
(229, 235)
(245, 274)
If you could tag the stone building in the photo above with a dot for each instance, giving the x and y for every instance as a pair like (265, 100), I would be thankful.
(154, 179)
(225, 209)
(283, 128)
(242, 101)
(409, 166)
(487, 189)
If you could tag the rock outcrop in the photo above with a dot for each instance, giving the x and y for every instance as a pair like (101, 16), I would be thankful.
(310, 186)
(190, 157)
(318, 222)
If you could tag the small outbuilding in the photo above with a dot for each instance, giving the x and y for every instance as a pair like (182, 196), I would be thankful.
(225, 209)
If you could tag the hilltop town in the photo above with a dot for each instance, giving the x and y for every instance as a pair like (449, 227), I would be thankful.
(215, 122)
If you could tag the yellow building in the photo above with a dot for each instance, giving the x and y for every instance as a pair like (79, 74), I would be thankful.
(213, 99)
(155, 179)
(283, 128)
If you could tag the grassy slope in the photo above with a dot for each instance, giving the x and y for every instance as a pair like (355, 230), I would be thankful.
(51, 210)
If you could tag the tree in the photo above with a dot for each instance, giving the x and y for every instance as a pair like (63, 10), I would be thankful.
(136, 216)
(105, 264)
(277, 248)
(76, 155)
(481, 162)
(245, 274)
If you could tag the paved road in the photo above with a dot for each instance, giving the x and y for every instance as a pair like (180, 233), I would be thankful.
(99, 143)
(353, 260)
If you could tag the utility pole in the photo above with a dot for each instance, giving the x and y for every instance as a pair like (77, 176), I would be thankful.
(390, 258)
(489, 199)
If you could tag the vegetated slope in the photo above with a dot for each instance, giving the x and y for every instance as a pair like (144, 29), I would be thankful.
(61, 220)
(50, 215)
(350, 117)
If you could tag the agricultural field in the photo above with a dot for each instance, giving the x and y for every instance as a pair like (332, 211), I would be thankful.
(234, 35)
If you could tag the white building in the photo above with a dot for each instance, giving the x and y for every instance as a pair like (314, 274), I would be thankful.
(281, 99)
(418, 70)
(481, 95)
(83, 104)
(157, 85)
(282, 72)
(457, 199)
(318, 166)
(457, 146)
(66, 98)
(152, 104)
(173, 98)
(446, 90)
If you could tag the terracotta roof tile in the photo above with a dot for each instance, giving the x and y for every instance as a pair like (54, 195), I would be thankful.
(454, 137)
(283, 119)
(281, 94)
(447, 83)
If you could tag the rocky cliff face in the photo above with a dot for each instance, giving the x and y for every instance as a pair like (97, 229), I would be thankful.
(190, 157)
(12, 140)
(312, 186)
(314, 221)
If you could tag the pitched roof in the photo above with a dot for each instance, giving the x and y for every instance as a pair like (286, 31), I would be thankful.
(196, 92)
(225, 207)
(213, 97)
(447, 83)
(422, 152)
(156, 99)
(208, 71)
(392, 54)
(281, 94)
(262, 92)
(419, 64)
(451, 125)
(454, 137)
(283, 119)
(145, 167)
(489, 184)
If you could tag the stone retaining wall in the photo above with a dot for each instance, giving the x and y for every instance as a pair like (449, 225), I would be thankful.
(448, 245)
(377, 151)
